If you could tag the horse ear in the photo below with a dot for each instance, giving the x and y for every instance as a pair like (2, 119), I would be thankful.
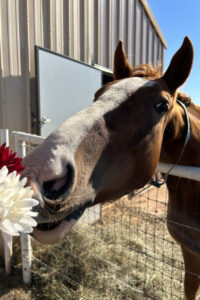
(180, 66)
(122, 67)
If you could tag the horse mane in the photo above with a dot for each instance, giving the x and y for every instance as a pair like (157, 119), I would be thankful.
(142, 70)
(147, 71)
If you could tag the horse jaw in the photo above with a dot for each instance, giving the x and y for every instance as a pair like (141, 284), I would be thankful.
(55, 235)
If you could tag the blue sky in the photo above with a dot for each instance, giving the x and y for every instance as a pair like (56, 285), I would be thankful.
(178, 18)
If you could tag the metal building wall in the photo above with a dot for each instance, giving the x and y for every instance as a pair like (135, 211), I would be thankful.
(87, 30)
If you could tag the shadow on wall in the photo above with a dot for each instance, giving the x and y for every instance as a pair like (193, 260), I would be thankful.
(19, 105)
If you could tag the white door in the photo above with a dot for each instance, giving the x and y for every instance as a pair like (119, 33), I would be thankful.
(65, 86)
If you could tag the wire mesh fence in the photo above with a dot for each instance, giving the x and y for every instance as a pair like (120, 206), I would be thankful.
(127, 253)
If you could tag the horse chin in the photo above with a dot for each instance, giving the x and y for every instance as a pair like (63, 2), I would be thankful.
(54, 235)
(48, 232)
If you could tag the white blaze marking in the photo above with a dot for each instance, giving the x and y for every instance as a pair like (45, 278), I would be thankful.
(49, 160)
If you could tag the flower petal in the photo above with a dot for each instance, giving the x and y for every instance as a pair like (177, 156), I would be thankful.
(28, 221)
(4, 171)
(9, 228)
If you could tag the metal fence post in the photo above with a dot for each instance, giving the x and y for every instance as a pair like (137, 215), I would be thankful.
(26, 251)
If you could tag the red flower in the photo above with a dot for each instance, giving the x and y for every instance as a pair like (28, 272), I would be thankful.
(11, 160)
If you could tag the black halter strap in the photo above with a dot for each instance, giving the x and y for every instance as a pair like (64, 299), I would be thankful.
(158, 183)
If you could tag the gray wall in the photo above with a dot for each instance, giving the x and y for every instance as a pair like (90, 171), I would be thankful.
(87, 30)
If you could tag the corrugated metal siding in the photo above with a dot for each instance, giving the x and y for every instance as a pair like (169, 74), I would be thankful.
(87, 30)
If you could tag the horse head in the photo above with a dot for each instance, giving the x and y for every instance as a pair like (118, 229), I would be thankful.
(108, 149)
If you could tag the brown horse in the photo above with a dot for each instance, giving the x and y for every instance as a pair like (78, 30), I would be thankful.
(114, 147)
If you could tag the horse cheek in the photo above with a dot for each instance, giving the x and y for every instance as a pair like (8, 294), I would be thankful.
(146, 164)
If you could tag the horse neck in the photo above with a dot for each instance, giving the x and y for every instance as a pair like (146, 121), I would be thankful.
(174, 141)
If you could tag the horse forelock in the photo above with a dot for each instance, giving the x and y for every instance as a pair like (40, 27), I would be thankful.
(147, 71)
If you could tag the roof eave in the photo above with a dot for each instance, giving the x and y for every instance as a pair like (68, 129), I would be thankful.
(153, 20)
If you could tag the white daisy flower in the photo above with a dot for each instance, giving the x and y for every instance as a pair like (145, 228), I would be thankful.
(16, 204)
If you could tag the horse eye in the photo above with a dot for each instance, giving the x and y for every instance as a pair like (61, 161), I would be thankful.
(161, 107)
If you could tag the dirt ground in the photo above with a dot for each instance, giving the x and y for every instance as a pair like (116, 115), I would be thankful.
(150, 200)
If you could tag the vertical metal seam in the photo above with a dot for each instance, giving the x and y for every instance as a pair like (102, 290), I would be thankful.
(95, 37)
(9, 39)
(34, 19)
(153, 46)
(148, 54)
(66, 27)
(85, 16)
(110, 32)
(50, 25)
(131, 31)
(120, 20)
(163, 49)
(18, 43)
(135, 35)
(41, 25)
(157, 58)
(141, 33)
(55, 35)
(27, 72)
(99, 31)
(107, 32)
(1, 74)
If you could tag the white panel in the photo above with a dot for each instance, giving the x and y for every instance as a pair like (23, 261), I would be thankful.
(59, 96)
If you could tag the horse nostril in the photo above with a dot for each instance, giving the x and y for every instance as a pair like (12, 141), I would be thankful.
(55, 189)
(48, 185)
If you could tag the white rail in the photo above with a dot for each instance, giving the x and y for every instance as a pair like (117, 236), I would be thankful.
(28, 137)
(23, 138)
(187, 172)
